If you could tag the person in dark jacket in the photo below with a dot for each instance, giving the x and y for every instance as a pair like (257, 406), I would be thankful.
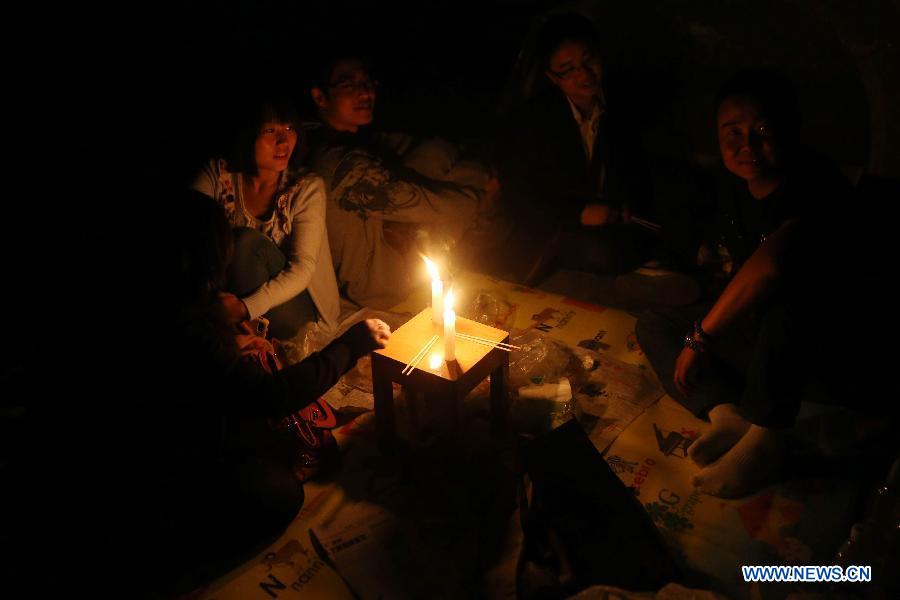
(783, 243)
(219, 478)
(571, 177)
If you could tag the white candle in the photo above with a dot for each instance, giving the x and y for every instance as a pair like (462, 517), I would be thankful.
(449, 329)
(437, 291)
(437, 300)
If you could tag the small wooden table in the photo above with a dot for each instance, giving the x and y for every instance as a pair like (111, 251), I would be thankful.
(449, 383)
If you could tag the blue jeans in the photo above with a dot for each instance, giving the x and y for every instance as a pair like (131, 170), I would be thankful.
(257, 260)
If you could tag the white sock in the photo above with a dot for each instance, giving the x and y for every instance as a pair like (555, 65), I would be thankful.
(745, 467)
(728, 426)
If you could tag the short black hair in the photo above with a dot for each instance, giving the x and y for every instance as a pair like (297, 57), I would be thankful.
(564, 28)
(322, 71)
(772, 91)
(251, 113)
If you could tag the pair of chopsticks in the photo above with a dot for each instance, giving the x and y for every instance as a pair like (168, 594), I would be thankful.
(486, 342)
(645, 223)
(412, 364)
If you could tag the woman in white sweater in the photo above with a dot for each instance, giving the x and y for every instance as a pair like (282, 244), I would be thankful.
(281, 268)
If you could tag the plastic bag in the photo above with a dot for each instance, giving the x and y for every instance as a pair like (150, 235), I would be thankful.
(310, 338)
(491, 309)
(540, 361)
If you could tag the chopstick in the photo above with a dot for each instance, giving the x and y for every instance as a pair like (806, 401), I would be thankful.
(486, 342)
(412, 364)
(644, 223)
(428, 348)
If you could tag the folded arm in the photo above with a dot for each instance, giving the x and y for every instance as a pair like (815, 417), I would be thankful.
(753, 283)
(305, 244)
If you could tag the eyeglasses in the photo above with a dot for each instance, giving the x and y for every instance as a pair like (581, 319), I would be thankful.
(349, 86)
(591, 64)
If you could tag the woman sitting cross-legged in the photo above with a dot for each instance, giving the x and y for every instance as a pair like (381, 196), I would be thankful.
(282, 264)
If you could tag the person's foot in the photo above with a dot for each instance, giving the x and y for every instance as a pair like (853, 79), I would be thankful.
(728, 426)
(744, 468)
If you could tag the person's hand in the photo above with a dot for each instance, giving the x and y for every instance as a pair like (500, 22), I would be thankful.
(380, 332)
(598, 214)
(235, 309)
(687, 369)
(250, 342)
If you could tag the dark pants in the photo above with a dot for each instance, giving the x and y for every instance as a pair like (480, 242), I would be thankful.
(257, 260)
(534, 251)
(763, 363)
(605, 250)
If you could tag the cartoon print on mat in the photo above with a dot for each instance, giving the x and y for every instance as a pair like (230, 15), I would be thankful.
(663, 517)
(641, 476)
(551, 318)
(595, 344)
(632, 344)
(674, 443)
(619, 465)
(284, 555)
(672, 511)
(594, 389)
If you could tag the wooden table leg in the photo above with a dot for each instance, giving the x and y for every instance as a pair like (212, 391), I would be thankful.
(383, 392)
(500, 397)
(411, 398)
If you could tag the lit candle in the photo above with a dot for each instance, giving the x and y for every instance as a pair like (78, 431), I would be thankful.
(449, 329)
(437, 291)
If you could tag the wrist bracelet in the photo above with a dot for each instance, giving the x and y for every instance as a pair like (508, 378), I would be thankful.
(695, 345)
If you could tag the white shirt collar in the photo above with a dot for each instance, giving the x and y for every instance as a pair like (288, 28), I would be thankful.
(595, 113)
(587, 127)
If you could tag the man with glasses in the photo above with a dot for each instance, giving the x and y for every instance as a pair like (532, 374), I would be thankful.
(570, 176)
(389, 196)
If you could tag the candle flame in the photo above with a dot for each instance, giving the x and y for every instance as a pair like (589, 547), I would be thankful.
(432, 268)
(435, 361)
(448, 301)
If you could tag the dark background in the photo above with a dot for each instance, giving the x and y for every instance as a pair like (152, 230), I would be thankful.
(137, 97)
(118, 100)
(164, 73)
